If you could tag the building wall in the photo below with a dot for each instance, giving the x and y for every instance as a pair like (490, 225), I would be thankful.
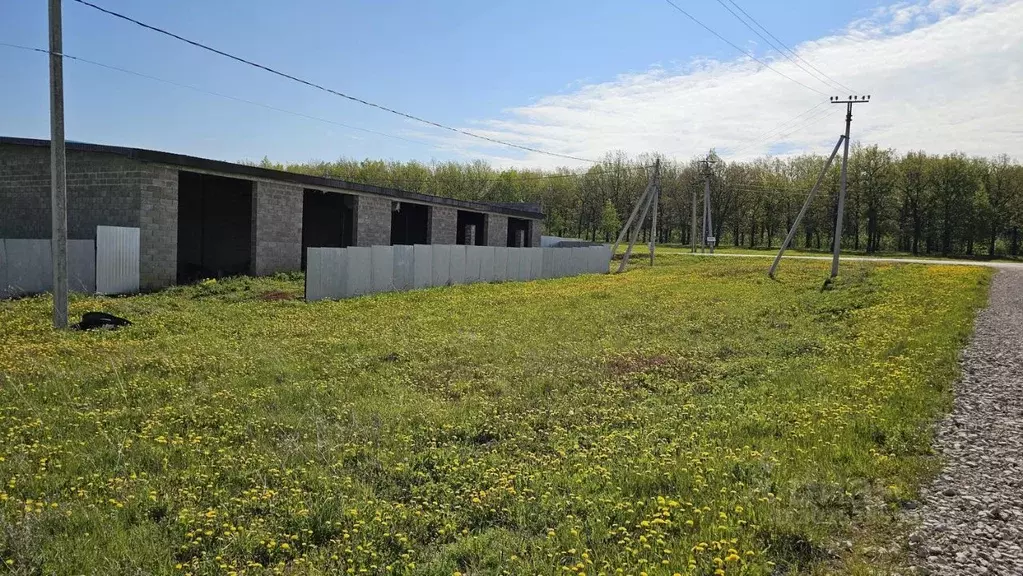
(158, 221)
(372, 221)
(535, 231)
(443, 225)
(102, 189)
(276, 228)
(497, 230)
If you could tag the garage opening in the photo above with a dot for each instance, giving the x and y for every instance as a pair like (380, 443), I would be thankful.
(410, 223)
(471, 228)
(518, 233)
(214, 226)
(326, 220)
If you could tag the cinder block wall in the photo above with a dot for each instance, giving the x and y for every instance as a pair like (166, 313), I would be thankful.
(373, 221)
(158, 222)
(497, 230)
(443, 225)
(102, 189)
(276, 228)
(535, 231)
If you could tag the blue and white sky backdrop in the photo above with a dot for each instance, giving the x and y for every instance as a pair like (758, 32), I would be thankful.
(570, 76)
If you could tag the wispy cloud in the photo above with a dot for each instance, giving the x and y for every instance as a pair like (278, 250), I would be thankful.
(944, 75)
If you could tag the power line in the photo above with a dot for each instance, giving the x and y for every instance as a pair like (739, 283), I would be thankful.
(791, 51)
(787, 124)
(329, 90)
(773, 45)
(729, 42)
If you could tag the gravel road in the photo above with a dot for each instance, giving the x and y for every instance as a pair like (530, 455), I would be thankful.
(970, 520)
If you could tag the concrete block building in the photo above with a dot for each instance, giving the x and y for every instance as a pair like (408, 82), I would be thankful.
(203, 218)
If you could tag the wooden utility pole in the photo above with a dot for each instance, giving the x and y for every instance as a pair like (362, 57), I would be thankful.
(58, 183)
(657, 200)
(837, 247)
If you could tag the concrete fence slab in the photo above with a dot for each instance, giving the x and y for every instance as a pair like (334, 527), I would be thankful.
(547, 267)
(487, 263)
(403, 268)
(603, 259)
(359, 270)
(324, 276)
(511, 272)
(535, 263)
(117, 260)
(562, 261)
(501, 264)
(441, 265)
(577, 261)
(29, 266)
(382, 269)
(457, 264)
(473, 263)
(524, 264)
(422, 266)
(81, 266)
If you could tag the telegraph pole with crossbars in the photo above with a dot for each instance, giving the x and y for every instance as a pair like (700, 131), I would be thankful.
(836, 248)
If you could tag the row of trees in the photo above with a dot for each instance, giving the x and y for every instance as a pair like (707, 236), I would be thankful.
(917, 203)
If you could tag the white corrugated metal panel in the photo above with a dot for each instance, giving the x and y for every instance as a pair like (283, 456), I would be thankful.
(117, 260)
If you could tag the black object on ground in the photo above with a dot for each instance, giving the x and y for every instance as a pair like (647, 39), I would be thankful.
(100, 321)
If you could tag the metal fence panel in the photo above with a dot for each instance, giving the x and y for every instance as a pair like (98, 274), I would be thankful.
(117, 260)
(511, 272)
(402, 268)
(535, 263)
(524, 264)
(422, 266)
(603, 260)
(359, 271)
(473, 263)
(457, 264)
(487, 263)
(500, 264)
(577, 261)
(441, 265)
(381, 269)
(547, 269)
(324, 274)
(562, 257)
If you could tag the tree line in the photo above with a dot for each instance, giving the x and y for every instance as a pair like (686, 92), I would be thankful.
(917, 203)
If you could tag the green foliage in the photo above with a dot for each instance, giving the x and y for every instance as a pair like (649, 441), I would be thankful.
(693, 418)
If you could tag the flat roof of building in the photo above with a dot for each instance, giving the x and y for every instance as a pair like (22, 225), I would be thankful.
(517, 210)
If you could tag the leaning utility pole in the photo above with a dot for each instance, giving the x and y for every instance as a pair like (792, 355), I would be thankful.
(648, 197)
(841, 191)
(58, 183)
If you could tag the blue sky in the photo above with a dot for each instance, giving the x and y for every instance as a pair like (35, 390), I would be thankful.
(476, 65)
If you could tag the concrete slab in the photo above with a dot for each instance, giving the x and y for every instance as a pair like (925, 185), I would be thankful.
(382, 269)
(562, 261)
(81, 266)
(29, 266)
(511, 272)
(325, 274)
(524, 264)
(501, 264)
(577, 261)
(457, 264)
(441, 265)
(422, 266)
(473, 263)
(359, 271)
(403, 268)
(548, 269)
(487, 263)
(535, 263)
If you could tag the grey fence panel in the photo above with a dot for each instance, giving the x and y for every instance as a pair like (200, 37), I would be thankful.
(487, 263)
(562, 261)
(359, 271)
(422, 266)
(81, 266)
(535, 263)
(473, 263)
(524, 264)
(117, 260)
(604, 260)
(29, 266)
(441, 265)
(500, 264)
(3, 270)
(457, 268)
(403, 271)
(547, 269)
(511, 272)
(577, 261)
(382, 269)
(325, 274)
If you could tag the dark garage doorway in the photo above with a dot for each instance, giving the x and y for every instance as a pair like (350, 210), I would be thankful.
(518, 233)
(214, 226)
(410, 223)
(471, 228)
(326, 220)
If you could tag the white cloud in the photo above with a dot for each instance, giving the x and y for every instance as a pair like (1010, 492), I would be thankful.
(945, 75)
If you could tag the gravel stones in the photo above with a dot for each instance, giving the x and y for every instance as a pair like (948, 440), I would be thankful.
(971, 518)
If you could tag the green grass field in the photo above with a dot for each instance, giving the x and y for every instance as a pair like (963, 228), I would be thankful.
(693, 418)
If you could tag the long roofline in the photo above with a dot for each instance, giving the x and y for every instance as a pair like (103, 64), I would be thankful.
(528, 211)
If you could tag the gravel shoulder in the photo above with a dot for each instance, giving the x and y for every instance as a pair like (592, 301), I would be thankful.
(970, 520)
